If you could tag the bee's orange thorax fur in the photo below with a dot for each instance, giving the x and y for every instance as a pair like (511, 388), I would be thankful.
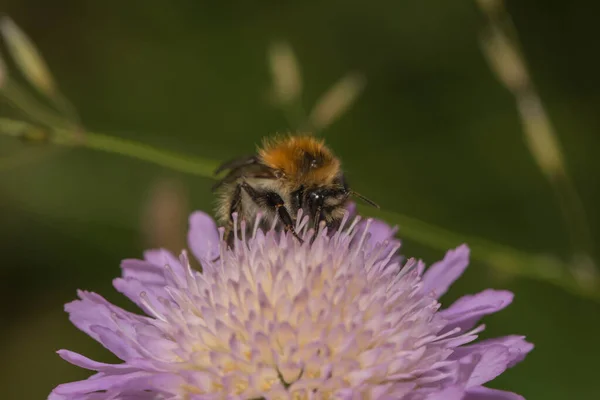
(286, 154)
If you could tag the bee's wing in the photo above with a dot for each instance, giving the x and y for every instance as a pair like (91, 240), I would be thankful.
(236, 163)
(248, 170)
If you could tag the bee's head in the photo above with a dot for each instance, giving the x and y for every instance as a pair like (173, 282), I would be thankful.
(302, 158)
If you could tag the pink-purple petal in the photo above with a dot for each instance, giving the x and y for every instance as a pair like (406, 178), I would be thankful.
(115, 342)
(167, 263)
(203, 237)
(84, 362)
(96, 383)
(483, 393)
(150, 276)
(494, 361)
(143, 270)
(450, 393)
(380, 231)
(93, 310)
(439, 276)
(468, 310)
(134, 386)
(133, 289)
(517, 348)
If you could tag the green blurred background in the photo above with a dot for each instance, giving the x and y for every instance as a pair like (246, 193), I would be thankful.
(434, 136)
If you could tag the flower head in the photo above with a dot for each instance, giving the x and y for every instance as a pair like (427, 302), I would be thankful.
(341, 318)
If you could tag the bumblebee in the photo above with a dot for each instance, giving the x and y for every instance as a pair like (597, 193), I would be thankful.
(288, 173)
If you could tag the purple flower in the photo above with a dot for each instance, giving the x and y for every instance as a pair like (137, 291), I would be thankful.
(343, 318)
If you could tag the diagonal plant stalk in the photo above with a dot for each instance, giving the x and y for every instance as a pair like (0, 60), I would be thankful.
(110, 144)
(539, 267)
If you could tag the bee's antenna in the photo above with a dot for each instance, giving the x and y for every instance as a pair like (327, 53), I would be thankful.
(363, 198)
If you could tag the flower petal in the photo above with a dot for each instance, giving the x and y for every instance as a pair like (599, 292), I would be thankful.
(380, 239)
(92, 309)
(483, 393)
(102, 320)
(517, 347)
(162, 258)
(203, 237)
(144, 271)
(142, 276)
(451, 393)
(96, 383)
(84, 362)
(132, 288)
(442, 274)
(159, 269)
(115, 342)
(492, 357)
(466, 311)
(138, 385)
(351, 209)
(494, 361)
(380, 231)
(132, 365)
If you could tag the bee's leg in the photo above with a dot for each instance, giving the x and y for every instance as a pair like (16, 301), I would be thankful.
(236, 206)
(275, 202)
(316, 221)
(316, 201)
(229, 236)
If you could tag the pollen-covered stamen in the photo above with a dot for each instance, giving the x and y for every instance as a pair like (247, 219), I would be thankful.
(436, 338)
(391, 252)
(363, 237)
(257, 221)
(274, 224)
(466, 337)
(190, 273)
(171, 278)
(342, 226)
(234, 217)
(372, 260)
(244, 244)
(301, 223)
(146, 302)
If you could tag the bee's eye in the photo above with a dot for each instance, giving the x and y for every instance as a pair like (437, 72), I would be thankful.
(314, 164)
